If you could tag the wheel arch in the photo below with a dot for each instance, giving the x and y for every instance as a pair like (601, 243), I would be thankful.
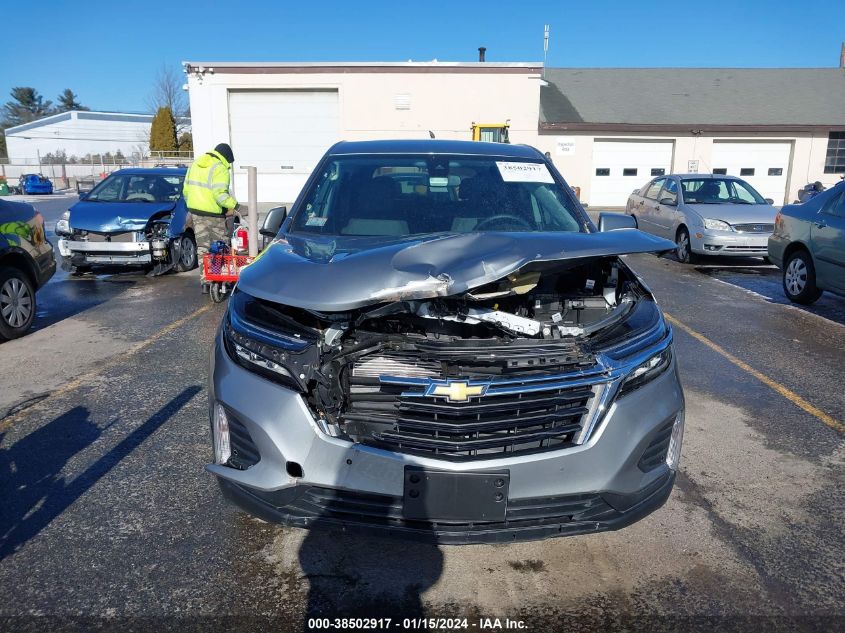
(793, 248)
(19, 260)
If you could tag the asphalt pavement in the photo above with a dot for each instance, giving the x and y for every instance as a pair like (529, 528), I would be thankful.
(109, 521)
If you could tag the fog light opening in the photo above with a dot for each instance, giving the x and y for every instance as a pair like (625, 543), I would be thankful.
(673, 455)
(220, 431)
(294, 470)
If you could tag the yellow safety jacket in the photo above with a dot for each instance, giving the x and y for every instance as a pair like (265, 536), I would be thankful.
(206, 187)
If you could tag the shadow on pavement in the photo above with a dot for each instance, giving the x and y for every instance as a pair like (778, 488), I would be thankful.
(33, 488)
(361, 576)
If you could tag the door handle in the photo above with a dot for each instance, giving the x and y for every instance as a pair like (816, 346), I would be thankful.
(820, 224)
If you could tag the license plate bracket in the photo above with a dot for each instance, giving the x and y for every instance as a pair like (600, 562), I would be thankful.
(450, 497)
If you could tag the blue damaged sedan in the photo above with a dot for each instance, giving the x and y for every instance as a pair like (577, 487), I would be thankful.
(133, 218)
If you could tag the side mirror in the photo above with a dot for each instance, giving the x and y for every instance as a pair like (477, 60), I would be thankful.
(83, 194)
(669, 202)
(273, 221)
(614, 221)
(770, 201)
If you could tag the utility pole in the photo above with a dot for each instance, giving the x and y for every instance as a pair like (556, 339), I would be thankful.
(545, 48)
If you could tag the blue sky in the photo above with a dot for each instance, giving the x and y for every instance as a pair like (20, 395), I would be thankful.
(108, 51)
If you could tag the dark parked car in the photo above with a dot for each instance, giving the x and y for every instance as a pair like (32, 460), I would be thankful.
(808, 245)
(465, 359)
(35, 183)
(26, 264)
(135, 217)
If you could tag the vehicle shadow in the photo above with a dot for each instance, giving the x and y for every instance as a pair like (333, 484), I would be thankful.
(33, 485)
(357, 575)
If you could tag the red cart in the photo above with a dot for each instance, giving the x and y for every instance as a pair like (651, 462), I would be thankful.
(221, 273)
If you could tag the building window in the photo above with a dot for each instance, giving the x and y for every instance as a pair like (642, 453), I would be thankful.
(746, 171)
(629, 171)
(834, 162)
(602, 171)
(722, 171)
(658, 171)
(775, 171)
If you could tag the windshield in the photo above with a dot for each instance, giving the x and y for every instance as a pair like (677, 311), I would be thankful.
(138, 188)
(398, 196)
(719, 191)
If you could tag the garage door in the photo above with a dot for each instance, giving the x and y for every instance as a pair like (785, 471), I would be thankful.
(619, 167)
(764, 165)
(283, 133)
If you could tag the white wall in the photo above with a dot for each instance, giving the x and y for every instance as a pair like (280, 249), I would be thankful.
(807, 164)
(78, 137)
(446, 103)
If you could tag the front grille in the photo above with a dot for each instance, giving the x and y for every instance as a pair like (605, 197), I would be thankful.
(386, 510)
(470, 409)
(752, 249)
(116, 237)
(754, 228)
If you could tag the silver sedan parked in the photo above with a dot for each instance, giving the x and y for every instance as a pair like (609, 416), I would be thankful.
(705, 214)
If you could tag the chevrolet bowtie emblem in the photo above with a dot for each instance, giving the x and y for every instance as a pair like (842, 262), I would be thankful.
(456, 390)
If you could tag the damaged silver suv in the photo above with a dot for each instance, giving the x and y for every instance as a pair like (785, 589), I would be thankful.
(439, 343)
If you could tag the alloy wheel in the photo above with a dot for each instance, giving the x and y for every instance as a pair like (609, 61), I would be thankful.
(189, 253)
(15, 303)
(796, 276)
(683, 246)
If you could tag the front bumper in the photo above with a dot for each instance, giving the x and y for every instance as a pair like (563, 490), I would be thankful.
(79, 253)
(587, 488)
(729, 243)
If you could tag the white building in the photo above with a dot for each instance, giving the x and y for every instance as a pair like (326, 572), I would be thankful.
(79, 133)
(607, 130)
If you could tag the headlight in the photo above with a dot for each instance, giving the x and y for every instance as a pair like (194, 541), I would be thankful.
(673, 455)
(220, 433)
(647, 371)
(262, 340)
(63, 225)
(716, 225)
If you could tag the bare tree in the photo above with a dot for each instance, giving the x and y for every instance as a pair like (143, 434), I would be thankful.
(167, 93)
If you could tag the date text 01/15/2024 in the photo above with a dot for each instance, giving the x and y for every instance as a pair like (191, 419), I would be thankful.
(415, 624)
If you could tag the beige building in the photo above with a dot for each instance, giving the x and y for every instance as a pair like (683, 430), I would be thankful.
(607, 130)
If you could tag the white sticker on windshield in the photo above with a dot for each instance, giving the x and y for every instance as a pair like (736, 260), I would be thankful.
(315, 221)
(524, 172)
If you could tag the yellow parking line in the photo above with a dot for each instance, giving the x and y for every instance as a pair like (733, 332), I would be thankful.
(131, 351)
(790, 395)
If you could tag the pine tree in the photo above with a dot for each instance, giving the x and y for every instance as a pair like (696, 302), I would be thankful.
(68, 101)
(163, 132)
(26, 105)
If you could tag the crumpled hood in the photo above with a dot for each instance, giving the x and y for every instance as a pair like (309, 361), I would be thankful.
(114, 217)
(737, 213)
(342, 273)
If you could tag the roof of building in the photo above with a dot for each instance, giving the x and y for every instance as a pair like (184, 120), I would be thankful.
(586, 98)
(131, 117)
(433, 66)
(428, 146)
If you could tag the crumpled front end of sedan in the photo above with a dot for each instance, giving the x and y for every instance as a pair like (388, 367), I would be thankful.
(540, 401)
(150, 244)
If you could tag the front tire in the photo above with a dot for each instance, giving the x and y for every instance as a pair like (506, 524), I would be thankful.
(17, 303)
(187, 254)
(799, 279)
(683, 250)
